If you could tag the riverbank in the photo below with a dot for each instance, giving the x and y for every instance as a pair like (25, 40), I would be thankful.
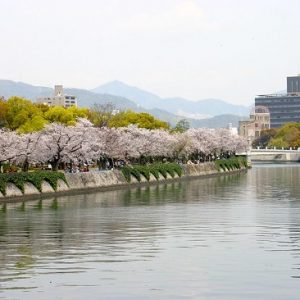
(112, 179)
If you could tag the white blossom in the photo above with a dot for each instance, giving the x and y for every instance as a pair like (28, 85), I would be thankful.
(84, 142)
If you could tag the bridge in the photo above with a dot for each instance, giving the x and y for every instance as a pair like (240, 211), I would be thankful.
(279, 155)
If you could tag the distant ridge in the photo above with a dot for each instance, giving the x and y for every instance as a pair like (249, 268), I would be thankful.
(139, 96)
(10, 88)
(87, 98)
(211, 107)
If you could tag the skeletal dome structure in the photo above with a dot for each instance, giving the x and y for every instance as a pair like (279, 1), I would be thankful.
(260, 110)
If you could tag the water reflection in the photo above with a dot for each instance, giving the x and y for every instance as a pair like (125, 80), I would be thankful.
(228, 237)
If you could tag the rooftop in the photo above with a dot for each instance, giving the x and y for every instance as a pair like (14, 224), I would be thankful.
(279, 95)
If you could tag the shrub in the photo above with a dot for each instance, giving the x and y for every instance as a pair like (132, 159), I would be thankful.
(169, 170)
(135, 173)
(176, 168)
(243, 161)
(144, 170)
(162, 170)
(36, 178)
(231, 163)
(128, 171)
(155, 170)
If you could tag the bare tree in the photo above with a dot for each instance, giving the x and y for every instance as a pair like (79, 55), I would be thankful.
(100, 114)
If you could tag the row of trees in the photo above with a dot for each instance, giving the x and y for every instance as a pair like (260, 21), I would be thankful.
(25, 116)
(57, 144)
(285, 137)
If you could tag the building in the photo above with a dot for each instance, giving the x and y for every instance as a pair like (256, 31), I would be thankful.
(293, 84)
(284, 108)
(259, 120)
(233, 130)
(59, 98)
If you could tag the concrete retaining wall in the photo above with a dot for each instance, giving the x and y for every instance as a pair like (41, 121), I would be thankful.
(102, 180)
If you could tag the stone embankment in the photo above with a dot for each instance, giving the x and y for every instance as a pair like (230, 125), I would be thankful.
(83, 182)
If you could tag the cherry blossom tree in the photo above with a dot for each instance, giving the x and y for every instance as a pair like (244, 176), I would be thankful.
(8, 146)
(28, 150)
(202, 143)
(163, 144)
(58, 143)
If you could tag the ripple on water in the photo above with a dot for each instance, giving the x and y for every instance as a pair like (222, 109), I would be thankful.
(229, 237)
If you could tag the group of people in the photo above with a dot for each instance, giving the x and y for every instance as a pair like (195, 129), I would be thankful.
(77, 169)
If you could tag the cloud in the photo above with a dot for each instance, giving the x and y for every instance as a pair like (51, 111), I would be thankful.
(184, 17)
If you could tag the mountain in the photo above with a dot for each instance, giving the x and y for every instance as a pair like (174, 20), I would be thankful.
(10, 88)
(221, 121)
(118, 88)
(87, 98)
(205, 107)
(197, 109)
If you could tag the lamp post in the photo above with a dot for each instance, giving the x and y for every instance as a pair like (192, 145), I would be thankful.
(248, 152)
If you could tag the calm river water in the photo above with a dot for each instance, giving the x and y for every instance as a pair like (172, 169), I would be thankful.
(229, 237)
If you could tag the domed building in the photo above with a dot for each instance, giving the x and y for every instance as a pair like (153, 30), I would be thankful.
(259, 120)
(284, 108)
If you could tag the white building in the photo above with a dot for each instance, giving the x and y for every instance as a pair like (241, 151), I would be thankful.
(233, 130)
(59, 98)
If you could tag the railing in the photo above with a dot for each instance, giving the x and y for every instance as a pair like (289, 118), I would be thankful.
(275, 150)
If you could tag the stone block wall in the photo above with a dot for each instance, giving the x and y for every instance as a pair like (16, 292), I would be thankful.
(104, 179)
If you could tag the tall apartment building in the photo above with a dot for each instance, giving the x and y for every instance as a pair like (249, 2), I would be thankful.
(283, 108)
(59, 98)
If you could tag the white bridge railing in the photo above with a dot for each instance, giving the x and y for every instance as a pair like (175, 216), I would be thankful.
(275, 150)
(273, 154)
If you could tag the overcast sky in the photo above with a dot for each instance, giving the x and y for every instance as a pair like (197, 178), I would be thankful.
(231, 49)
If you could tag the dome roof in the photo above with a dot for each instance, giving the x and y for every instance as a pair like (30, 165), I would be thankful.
(259, 109)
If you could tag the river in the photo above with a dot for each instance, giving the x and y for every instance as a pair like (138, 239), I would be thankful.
(228, 237)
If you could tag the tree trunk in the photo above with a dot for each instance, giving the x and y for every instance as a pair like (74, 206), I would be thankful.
(54, 165)
(25, 166)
